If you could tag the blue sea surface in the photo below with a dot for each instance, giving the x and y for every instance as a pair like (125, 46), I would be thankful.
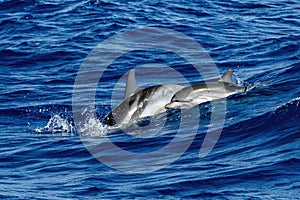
(43, 45)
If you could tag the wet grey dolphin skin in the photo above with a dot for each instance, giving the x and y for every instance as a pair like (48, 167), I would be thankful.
(191, 96)
(139, 103)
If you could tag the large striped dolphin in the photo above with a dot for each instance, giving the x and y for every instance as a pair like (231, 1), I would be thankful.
(191, 96)
(139, 103)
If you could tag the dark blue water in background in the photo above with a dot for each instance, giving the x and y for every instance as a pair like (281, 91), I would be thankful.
(43, 44)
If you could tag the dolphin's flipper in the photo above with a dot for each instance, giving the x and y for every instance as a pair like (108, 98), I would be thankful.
(227, 77)
(131, 85)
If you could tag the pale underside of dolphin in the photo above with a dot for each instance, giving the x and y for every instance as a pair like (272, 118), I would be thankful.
(191, 96)
(139, 103)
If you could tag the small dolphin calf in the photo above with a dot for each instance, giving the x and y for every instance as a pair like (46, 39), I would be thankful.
(139, 103)
(191, 96)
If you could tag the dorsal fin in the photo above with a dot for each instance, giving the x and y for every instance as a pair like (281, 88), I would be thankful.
(131, 85)
(227, 77)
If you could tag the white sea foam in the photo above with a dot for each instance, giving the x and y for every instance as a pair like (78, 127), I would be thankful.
(92, 127)
(57, 124)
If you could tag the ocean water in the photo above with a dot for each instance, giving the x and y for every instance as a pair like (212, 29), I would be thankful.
(45, 43)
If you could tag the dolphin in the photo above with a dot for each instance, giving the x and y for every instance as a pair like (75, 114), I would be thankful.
(141, 102)
(193, 95)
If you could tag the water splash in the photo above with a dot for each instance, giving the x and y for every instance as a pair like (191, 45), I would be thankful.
(92, 127)
(58, 124)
